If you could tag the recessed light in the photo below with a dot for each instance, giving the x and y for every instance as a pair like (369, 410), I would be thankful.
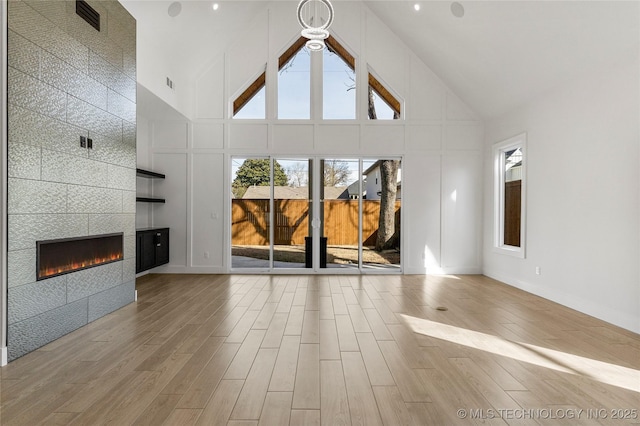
(416, 7)
(216, 6)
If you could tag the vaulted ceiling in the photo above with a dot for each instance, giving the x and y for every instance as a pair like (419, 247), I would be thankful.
(497, 56)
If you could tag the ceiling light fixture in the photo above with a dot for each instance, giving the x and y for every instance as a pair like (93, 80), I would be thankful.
(216, 6)
(307, 12)
(416, 7)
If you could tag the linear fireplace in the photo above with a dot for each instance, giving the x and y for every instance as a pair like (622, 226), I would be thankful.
(58, 257)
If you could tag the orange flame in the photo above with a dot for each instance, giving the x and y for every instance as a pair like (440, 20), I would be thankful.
(76, 265)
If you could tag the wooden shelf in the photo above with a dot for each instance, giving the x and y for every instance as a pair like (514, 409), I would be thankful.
(149, 200)
(149, 174)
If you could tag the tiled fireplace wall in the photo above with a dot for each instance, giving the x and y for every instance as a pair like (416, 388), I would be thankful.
(66, 80)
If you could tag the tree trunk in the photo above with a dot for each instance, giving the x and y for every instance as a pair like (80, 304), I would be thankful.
(386, 223)
(372, 107)
(389, 182)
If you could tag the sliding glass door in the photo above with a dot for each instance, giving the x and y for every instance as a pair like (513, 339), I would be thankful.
(381, 207)
(250, 213)
(291, 212)
(340, 230)
(315, 214)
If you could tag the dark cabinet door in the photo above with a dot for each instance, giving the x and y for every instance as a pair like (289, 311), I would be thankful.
(146, 251)
(152, 248)
(162, 246)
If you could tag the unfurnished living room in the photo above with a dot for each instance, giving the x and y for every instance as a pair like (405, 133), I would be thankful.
(316, 212)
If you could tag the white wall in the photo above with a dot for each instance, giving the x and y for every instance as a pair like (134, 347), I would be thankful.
(440, 141)
(153, 70)
(583, 202)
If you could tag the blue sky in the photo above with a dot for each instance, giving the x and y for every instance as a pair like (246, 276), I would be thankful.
(294, 87)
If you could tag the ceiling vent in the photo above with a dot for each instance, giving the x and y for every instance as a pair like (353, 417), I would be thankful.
(88, 13)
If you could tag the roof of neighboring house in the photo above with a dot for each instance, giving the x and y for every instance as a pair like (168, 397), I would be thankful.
(371, 168)
(291, 193)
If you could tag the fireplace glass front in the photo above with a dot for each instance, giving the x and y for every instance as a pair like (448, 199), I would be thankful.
(58, 257)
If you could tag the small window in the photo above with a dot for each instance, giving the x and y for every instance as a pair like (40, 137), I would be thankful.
(382, 105)
(510, 195)
(251, 104)
(294, 82)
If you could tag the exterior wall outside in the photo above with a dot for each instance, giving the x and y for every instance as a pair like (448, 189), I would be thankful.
(373, 185)
(66, 80)
(439, 141)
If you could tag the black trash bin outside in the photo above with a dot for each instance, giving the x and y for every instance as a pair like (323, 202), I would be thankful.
(308, 249)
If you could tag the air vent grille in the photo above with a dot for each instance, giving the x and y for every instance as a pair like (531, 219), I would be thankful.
(88, 13)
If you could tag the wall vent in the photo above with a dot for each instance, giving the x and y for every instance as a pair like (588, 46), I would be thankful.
(88, 13)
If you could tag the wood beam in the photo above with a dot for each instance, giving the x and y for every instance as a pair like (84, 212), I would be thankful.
(249, 93)
(390, 100)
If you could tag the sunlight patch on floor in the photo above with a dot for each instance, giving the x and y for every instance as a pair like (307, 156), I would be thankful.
(604, 372)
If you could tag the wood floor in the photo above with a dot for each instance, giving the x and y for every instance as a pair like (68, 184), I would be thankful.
(331, 350)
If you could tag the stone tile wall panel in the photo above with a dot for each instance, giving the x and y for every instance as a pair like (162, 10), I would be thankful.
(65, 168)
(36, 196)
(35, 298)
(54, 11)
(24, 161)
(21, 267)
(129, 202)
(24, 55)
(26, 229)
(27, 335)
(120, 106)
(87, 116)
(35, 27)
(56, 188)
(107, 74)
(110, 223)
(89, 199)
(101, 304)
(121, 177)
(63, 76)
(31, 128)
(128, 269)
(112, 151)
(129, 133)
(30, 93)
(129, 243)
(93, 280)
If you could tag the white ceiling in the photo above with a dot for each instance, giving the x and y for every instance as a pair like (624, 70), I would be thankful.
(499, 55)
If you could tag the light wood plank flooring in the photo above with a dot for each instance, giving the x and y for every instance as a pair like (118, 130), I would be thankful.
(330, 350)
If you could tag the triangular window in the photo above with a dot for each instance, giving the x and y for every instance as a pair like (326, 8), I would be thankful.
(382, 105)
(294, 82)
(251, 103)
(338, 82)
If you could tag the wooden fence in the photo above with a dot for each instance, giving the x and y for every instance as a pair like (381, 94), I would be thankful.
(250, 221)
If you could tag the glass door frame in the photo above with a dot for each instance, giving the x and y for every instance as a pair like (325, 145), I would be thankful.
(315, 176)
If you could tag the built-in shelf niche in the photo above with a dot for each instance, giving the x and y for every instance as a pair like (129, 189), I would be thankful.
(151, 175)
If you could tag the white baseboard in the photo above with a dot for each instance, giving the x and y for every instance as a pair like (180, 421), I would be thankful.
(135, 296)
(570, 300)
(436, 270)
(3, 356)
